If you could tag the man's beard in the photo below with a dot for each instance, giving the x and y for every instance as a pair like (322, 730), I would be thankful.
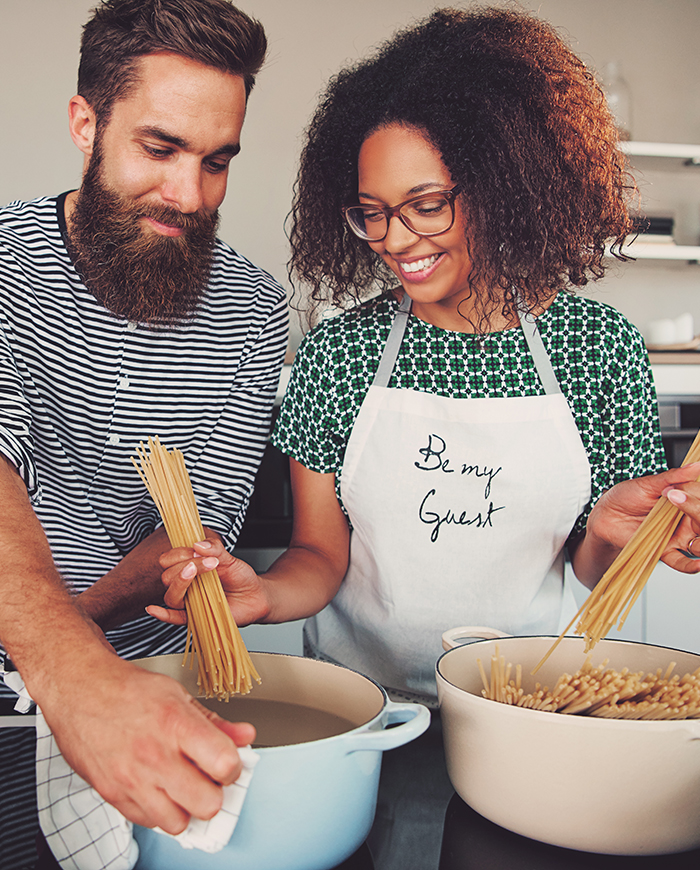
(136, 273)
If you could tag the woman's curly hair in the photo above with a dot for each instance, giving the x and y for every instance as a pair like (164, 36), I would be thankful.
(522, 126)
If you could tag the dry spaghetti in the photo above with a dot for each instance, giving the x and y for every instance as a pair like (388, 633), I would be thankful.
(600, 691)
(225, 666)
(619, 588)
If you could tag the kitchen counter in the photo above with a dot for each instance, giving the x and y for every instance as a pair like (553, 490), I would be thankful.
(440, 832)
(676, 374)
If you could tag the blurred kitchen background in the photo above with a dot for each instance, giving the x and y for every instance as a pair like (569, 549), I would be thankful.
(646, 52)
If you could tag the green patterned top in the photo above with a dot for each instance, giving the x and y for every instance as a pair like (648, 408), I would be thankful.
(598, 357)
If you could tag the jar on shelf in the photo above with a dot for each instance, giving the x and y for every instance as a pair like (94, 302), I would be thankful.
(619, 98)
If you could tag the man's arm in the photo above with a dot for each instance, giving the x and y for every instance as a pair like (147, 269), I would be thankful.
(134, 583)
(34, 597)
(139, 739)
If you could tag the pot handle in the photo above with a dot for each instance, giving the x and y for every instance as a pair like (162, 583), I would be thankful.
(415, 719)
(451, 638)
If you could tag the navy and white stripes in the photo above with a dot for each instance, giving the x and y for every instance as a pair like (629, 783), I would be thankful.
(79, 389)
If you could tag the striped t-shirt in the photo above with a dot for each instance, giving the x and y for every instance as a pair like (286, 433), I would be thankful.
(80, 388)
(598, 357)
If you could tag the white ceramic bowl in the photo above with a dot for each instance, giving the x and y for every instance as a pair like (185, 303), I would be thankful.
(599, 785)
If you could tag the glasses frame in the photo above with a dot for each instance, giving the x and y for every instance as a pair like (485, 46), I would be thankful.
(395, 211)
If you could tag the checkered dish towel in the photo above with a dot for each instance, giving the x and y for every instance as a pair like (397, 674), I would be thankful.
(84, 832)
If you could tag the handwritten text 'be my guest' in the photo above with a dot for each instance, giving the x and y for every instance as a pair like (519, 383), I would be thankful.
(434, 459)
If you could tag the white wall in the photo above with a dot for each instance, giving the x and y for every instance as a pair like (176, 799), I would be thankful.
(656, 42)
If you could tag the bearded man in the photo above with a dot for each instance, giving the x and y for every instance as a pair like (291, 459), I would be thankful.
(123, 316)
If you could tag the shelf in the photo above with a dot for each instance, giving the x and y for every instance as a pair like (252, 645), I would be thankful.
(656, 251)
(661, 149)
(673, 377)
(666, 156)
(662, 155)
(675, 358)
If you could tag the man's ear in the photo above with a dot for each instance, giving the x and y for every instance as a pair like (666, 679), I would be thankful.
(82, 123)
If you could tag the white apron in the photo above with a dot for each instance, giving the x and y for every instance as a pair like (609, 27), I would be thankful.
(460, 509)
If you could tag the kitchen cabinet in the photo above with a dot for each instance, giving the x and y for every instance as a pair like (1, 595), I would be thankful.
(265, 535)
(671, 609)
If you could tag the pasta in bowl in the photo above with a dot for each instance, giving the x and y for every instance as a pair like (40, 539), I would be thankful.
(615, 786)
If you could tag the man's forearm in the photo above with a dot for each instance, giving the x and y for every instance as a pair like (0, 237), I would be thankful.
(134, 583)
(39, 622)
(124, 592)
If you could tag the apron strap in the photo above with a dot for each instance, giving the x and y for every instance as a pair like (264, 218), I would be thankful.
(529, 326)
(391, 348)
(543, 364)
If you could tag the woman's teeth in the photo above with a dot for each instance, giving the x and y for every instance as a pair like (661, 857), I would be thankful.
(419, 265)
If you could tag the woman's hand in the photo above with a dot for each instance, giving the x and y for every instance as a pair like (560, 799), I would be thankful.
(242, 586)
(683, 551)
(619, 512)
(301, 581)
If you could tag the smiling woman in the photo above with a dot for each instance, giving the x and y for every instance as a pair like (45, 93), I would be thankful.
(397, 162)
(542, 181)
(450, 437)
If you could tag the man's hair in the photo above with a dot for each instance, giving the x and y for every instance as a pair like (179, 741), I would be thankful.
(120, 32)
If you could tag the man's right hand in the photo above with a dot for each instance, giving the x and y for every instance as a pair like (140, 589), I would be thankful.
(138, 738)
(144, 743)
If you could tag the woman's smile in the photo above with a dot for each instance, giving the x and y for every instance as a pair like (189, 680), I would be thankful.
(418, 270)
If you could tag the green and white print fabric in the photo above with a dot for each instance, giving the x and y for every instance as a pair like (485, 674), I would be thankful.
(598, 356)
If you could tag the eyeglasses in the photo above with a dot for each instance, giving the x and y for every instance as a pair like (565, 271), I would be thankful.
(426, 215)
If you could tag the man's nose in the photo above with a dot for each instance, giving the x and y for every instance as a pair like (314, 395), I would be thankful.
(182, 187)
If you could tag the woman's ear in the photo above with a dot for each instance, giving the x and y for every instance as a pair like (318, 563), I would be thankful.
(82, 124)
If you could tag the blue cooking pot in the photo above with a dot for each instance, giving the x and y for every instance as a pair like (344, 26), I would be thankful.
(310, 804)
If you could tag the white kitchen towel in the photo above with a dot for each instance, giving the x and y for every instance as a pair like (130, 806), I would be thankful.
(16, 683)
(84, 832)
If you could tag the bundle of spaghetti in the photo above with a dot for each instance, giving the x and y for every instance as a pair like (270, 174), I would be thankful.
(225, 666)
(619, 588)
(600, 691)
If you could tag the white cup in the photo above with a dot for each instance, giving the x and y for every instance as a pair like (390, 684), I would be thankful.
(684, 328)
(662, 332)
